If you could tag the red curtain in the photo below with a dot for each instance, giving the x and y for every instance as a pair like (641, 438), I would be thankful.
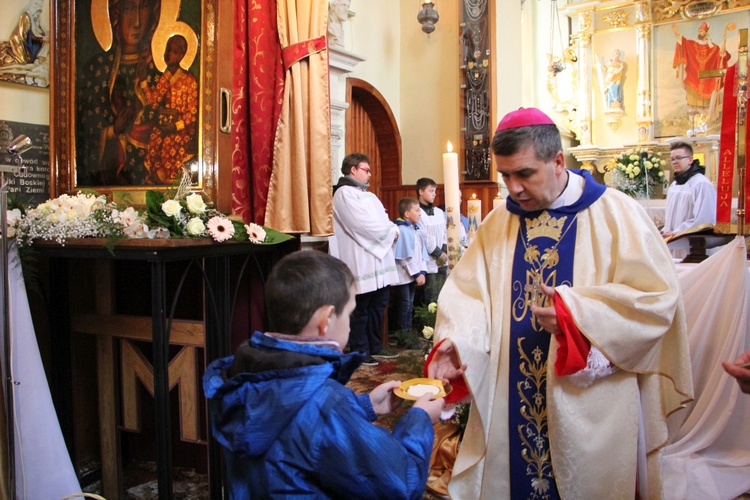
(258, 89)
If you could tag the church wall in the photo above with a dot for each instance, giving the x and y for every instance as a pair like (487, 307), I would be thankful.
(430, 93)
(21, 103)
(418, 75)
(374, 33)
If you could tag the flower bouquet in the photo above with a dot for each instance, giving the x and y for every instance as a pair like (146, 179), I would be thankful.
(181, 213)
(637, 172)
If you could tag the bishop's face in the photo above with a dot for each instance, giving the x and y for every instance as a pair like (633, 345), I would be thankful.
(532, 183)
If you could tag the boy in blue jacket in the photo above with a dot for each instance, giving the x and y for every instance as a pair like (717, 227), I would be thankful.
(411, 261)
(279, 408)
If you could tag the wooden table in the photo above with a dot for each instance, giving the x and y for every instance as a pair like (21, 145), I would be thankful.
(213, 259)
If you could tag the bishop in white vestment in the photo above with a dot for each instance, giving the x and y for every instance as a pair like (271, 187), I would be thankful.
(566, 315)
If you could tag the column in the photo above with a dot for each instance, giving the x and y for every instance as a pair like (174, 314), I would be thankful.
(644, 110)
(341, 63)
(584, 74)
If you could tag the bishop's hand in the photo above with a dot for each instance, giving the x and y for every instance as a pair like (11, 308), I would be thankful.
(445, 364)
(547, 316)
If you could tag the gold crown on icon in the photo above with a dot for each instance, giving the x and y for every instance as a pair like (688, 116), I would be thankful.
(544, 225)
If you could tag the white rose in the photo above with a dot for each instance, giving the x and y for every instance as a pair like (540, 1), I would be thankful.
(195, 204)
(171, 207)
(636, 170)
(195, 226)
(14, 216)
(428, 332)
(432, 307)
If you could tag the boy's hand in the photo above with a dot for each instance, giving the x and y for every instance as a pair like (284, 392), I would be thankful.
(382, 398)
(420, 280)
(433, 407)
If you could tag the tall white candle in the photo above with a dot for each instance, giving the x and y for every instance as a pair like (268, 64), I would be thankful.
(452, 205)
(475, 216)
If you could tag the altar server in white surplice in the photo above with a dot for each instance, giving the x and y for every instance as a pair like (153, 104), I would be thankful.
(564, 327)
(691, 199)
(364, 238)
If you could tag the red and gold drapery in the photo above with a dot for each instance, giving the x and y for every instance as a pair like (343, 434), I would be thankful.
(258, 87)
(281, 166)
(299, 195)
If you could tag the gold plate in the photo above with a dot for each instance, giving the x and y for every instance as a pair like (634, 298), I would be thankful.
(402, 391)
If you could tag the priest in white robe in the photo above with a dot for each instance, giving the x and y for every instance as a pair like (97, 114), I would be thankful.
(564, 327)
(364, 238)
(691, 199)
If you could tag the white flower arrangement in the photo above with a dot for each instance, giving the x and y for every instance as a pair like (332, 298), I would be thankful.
(629, 172)
(80, 216)
(185, 214)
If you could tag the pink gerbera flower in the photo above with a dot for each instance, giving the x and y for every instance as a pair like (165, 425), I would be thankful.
(220, 228)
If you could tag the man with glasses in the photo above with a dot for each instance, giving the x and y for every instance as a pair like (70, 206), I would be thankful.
(364, 237)
(691, 199)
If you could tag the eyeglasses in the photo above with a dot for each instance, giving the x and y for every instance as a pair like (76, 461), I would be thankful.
(363, 168)
(675, 159)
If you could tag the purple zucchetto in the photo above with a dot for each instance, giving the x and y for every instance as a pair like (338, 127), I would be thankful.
(524, 117)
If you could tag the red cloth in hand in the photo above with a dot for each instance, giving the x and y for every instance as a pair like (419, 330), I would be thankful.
(573, 349)
(460, 390)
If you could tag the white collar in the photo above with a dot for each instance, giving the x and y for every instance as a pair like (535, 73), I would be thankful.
(572, 192)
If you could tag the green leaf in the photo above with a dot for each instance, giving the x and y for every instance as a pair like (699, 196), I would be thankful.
(154, 200)
(274, 237)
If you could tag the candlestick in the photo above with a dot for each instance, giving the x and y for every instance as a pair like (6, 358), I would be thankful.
(452, 205)
(475, 216)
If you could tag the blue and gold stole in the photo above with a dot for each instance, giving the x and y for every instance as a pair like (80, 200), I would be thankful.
(544, 252)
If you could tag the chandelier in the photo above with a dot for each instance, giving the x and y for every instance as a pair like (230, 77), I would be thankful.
(427, 17)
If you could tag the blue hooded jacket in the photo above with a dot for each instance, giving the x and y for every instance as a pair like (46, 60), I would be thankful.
(289, 427)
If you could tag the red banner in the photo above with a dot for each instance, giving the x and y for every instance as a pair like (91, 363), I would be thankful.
(727, 151)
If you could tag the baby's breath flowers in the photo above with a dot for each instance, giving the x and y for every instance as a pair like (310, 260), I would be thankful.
(80, 216)
(177, 214)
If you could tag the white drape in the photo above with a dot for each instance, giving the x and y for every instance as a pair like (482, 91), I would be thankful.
(43, 467)
(709, 454)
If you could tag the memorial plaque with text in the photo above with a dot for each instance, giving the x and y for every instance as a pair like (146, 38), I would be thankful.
(30, 187)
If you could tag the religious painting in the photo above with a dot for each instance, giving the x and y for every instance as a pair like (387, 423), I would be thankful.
(130, 103)
(24, 43)
(686, 103)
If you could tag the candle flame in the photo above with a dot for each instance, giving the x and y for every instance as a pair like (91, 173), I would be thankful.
(473, 196)
(450, 147)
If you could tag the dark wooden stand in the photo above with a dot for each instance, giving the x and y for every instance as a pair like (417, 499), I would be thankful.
(213, 260)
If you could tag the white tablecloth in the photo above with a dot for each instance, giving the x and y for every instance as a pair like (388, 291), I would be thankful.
(709, 454)
(43, 467)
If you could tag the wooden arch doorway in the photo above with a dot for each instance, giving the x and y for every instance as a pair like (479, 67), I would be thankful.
(371, 129)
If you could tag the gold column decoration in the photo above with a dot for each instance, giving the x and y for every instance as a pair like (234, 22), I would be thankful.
(584, 87)
(644, 106)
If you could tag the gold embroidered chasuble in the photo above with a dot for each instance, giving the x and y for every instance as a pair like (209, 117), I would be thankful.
(625, 300)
